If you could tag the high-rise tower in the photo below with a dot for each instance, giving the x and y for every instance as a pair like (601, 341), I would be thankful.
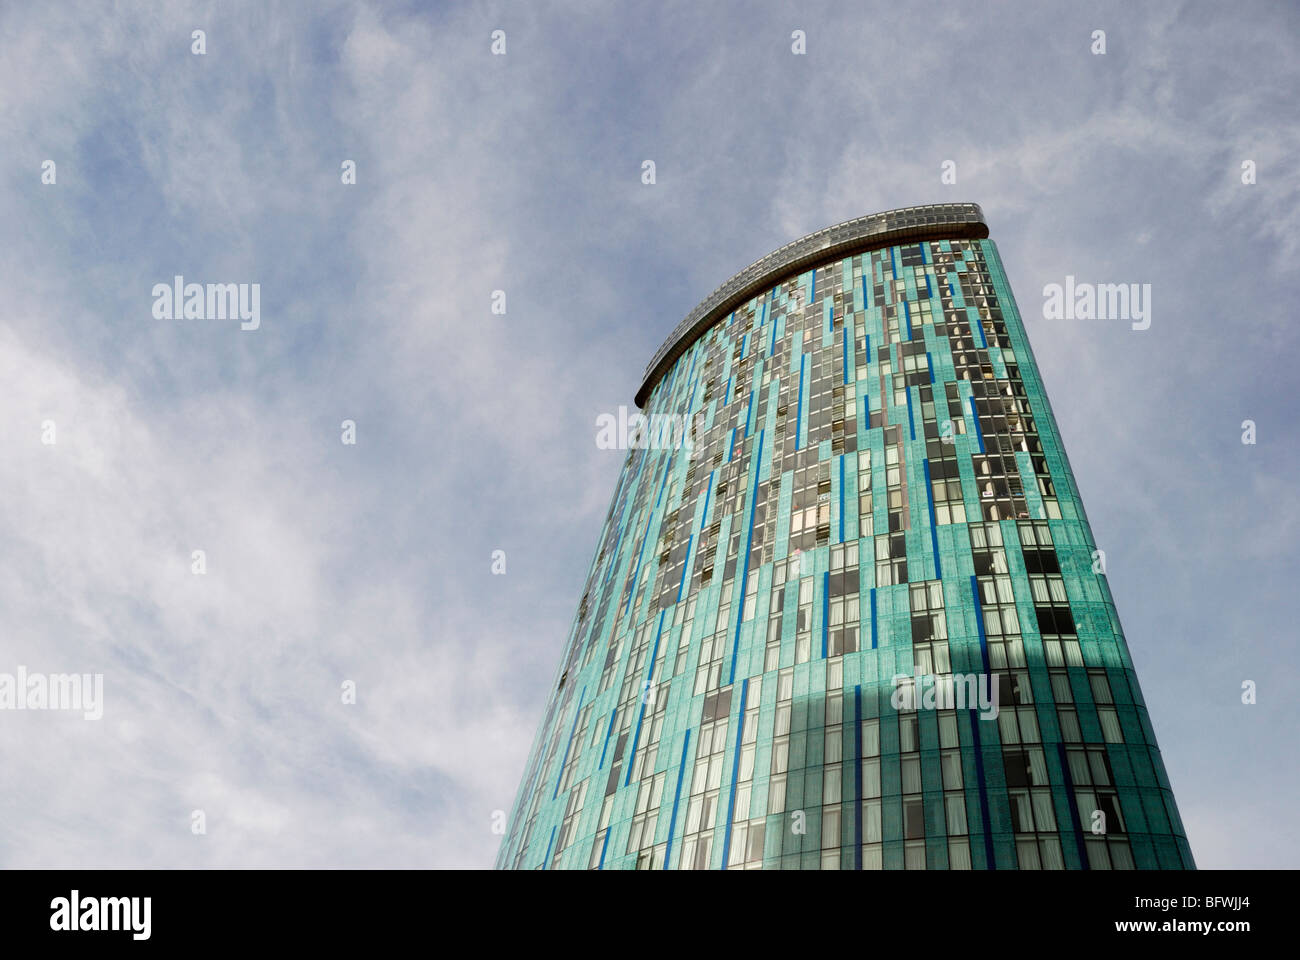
(846, 610)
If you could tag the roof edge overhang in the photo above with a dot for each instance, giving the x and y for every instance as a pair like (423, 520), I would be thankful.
(940, 221)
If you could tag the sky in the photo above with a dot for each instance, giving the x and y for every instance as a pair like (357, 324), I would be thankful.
(348, 683)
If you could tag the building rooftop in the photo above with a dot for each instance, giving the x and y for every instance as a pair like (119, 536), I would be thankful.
(936, 221)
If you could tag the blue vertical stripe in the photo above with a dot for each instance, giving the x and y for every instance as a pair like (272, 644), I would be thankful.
(664, 482)
(911, 423)
(708, 495)
(907, 318)
(677, 793)
(546, 864)
(975, 728)
(979, 622)
(749, 411)
(873, 618)
(603, 847)
(846, 353)
(1074, 806)
(984, 792)
(771, 350)
(735, 771)
(980, 327)
(744, 576)
(686, 564)
(798, 417)
(857, 777)
(979, 434)
(609, 730)
(929, 365)
(842, 498)
(934, 526)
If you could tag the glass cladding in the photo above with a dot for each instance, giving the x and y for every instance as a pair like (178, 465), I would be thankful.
(792, 633)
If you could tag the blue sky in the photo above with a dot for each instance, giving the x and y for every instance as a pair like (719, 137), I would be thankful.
(476, 432)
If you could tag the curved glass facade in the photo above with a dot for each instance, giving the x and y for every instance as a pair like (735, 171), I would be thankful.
(852, 616)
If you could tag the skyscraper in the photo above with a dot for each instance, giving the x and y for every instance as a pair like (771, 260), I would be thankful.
(846, 611)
